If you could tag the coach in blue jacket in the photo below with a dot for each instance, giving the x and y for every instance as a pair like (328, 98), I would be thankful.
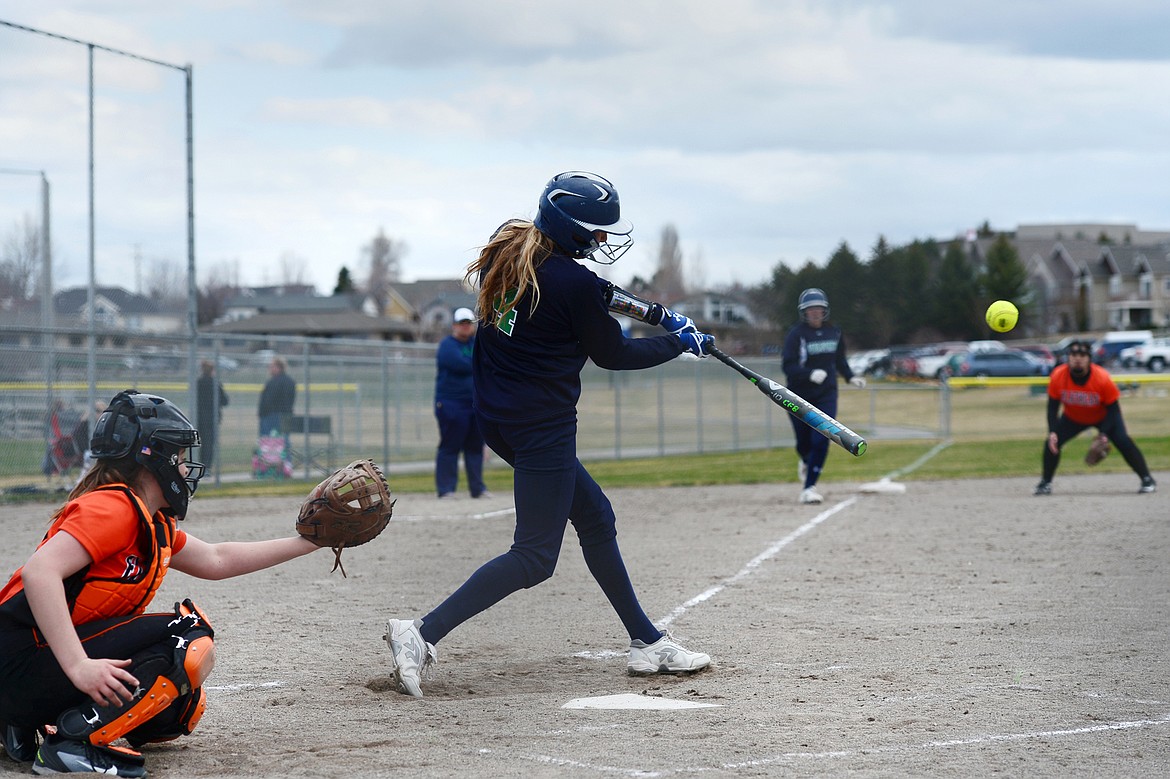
(458, 430)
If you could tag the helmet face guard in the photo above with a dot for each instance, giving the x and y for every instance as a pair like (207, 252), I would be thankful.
(808, 299)
(156, 433)
(574, 207)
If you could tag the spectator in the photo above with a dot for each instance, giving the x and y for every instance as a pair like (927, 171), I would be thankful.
(458, 430)
(210, 401)
(276, 399)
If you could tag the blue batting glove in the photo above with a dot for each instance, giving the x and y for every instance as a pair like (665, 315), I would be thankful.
(696, 342)
(677, 323)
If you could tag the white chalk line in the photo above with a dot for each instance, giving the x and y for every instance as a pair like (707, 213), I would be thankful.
(755, 562)
(243, 687)
(455, 517)
(787, 757)
(775, 548)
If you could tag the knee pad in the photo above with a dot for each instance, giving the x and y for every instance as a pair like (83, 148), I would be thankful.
(169, 677)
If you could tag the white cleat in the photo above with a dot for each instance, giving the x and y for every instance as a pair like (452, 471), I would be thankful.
(664, 656)
(411, 657)
(810, 495)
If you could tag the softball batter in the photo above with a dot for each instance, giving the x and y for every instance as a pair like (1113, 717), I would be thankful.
(542, 316)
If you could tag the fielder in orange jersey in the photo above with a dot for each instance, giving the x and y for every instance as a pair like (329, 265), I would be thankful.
(1089, 399)
(82, 665)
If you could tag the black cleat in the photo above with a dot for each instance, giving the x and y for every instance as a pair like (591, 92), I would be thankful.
(65, 756)
(20, 743)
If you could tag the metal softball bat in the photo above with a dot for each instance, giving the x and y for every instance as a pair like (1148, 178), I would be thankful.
(622, 302)
(797, 406)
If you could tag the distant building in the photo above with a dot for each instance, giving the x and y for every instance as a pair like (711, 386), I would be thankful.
(117, 309)
(1079, 283)
(300, 311)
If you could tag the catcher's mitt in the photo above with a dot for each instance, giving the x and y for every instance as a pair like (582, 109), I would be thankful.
(347, 509)
(1098, 450)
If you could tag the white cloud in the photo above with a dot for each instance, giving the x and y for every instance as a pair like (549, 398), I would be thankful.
(761, 130)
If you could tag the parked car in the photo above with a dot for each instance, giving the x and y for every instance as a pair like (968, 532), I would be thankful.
(902, 361)
(934, 366)
(1107, 350)
(1041, 353)
(871, 362)
(1154, 356)
(1004, 362)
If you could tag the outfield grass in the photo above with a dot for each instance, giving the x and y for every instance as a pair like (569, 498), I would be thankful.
(959, 460)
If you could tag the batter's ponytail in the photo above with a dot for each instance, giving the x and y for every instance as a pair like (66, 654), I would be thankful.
(506, 268)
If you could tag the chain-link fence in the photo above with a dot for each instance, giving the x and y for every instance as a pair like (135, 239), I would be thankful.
(375, 399)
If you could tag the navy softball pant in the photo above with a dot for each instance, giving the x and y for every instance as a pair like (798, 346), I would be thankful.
(811, 446)
(551, 488)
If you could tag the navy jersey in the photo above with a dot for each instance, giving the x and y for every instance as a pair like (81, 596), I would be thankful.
(805, 350)
(528, 365)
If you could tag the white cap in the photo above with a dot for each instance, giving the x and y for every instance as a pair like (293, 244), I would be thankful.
(463, 315)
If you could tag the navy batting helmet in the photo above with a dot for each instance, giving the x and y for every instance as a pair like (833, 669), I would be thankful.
(574, 206)
(809, 298)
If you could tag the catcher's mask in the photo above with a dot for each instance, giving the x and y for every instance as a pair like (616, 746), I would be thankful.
(156, 434)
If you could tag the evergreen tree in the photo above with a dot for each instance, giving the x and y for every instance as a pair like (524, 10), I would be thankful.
(1005, 277)
(845, 281)
(954, 296)
(345, 283)
(883, 294)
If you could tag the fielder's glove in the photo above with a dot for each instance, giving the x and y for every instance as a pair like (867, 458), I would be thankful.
(347, 509)
(817, 376)
(858, 382)
(676, 324)
(1098, 450)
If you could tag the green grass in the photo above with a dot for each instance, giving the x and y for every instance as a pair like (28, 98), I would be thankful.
(960, 460)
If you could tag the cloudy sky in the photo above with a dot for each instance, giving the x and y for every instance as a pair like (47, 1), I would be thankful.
(764, 131)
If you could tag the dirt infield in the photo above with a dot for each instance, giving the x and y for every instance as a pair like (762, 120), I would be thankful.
(961, 629)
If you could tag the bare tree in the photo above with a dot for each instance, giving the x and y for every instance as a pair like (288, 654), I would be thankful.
(292, 269)
(20, 263)
(668, 278)
(223, 281)
(384, 256)
(166, 281)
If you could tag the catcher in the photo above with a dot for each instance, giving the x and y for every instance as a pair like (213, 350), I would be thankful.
(77, 648)
(1089, 399)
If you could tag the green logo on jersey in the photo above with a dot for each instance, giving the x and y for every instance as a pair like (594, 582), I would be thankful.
(506, 323)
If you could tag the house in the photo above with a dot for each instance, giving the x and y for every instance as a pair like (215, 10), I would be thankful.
(727, 309)
(1077, 283)
(118, 309)
(434, 301)
(1139, 291)
(300, 311)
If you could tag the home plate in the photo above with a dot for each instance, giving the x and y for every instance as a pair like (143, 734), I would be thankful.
(633, 701)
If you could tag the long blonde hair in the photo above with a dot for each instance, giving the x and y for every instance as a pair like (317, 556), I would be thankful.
(124, 470)
(509, 262)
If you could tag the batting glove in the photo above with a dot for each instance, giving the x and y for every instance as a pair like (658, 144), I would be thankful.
(676, 324)
(696, 343)
(817, 376)
(858, 382)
